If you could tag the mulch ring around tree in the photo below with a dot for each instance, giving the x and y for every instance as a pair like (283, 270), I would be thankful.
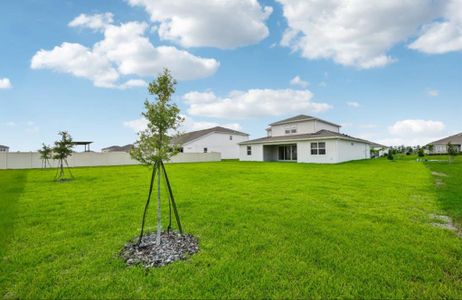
(173, 247)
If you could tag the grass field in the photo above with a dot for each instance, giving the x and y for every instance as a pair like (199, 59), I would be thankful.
(266, 230)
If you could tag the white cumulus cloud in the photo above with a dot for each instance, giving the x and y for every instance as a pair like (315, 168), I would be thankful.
(189, 124)
(360, 33)
(5, 83)
(124, 51)
(208, 23)
(353, 104)
(299, 82)
(137, 124)
(414, 132)
(252, 103)
(95, 22)
(443, 35)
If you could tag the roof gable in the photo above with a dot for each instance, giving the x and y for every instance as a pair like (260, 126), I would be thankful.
(194, 135)
(454, 139)
(301, 118)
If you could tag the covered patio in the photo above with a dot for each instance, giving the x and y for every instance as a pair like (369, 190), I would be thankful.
(286, 152)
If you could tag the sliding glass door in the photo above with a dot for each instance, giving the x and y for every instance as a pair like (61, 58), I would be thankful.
(287, 152)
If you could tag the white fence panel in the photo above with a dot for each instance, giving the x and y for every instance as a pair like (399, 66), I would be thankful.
(30, 160)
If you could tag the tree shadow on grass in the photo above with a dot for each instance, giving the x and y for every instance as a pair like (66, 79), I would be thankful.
(12, 183)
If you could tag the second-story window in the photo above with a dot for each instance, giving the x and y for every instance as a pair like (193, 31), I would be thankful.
(230, 137)
(290, 129)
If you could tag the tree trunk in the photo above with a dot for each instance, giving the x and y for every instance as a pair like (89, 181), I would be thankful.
(159, 221)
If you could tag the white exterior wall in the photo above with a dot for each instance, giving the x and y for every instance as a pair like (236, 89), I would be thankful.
(440, 149)
(29, 160)
(303, 127)
(304, 152)
(349, 150)
(337, 151)
(320, 125)
(257, 153)
(217, 142)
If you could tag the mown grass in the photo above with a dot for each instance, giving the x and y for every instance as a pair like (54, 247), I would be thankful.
(266, 230)
(448, 183)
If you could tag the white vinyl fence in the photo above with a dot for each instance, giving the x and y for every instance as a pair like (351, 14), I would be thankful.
(30, 160)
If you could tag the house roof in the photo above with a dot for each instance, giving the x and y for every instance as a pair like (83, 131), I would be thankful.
(3, 146)
(301, 118)
(454, 139)
(116, 148)
(193, 135)
(377, 145)
(321, 134)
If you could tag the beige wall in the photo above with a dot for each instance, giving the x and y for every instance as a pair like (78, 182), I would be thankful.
(29, 160)
(303, 127)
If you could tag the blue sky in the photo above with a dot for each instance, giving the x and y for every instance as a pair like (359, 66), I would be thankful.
(395, 80)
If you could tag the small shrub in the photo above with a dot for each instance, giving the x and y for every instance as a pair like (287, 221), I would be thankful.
(421, 152)
(390, 155)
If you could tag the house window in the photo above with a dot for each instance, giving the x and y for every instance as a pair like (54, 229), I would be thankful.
(249, 150)
(205, 150)
(290, 130)
(230, 137)
(181, 149)
(318, 148)
(322, 148)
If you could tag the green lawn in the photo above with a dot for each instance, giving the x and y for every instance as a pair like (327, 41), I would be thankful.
(448, 181)
(266, 230)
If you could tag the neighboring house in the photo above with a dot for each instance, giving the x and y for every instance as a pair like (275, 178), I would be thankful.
(304, 139)
(216, 139)
(4, 148)
(440, 146)
(381, 149)
(125, 148)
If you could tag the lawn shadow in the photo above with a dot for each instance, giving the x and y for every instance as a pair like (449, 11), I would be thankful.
(447, 181)
(12, 183)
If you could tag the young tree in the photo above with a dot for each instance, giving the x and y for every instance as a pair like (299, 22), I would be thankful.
(452, 151)
(421, 152)
(45, 155)
(154, 144)
(61, 151)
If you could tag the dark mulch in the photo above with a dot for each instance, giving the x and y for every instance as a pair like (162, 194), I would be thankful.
(173, 247)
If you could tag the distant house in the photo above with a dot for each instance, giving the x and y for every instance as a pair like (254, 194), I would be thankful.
(216, 139)
(115, 148)
(380, 149)
(4, 148)
(304, 139)
(440, 146)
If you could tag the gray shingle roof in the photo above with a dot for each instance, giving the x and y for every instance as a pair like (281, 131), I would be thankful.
(454, 139)
(116, 148)
(377, 145)
(3, 146)
(308, 136)
(190, 136)
(301, 118)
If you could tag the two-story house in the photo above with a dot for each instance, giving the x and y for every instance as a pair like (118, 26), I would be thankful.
(304, 139)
